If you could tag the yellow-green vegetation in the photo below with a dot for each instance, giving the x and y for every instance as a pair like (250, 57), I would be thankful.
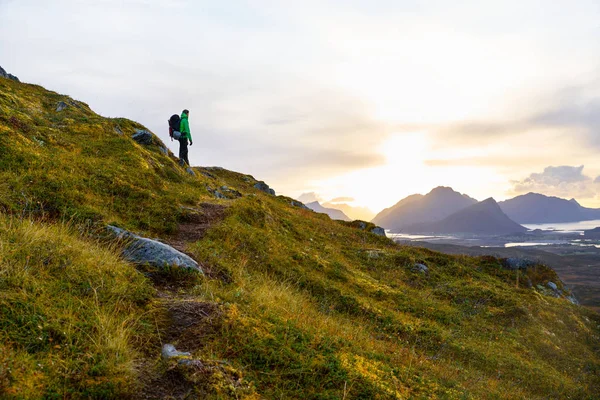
(293, 305)
(70, 314)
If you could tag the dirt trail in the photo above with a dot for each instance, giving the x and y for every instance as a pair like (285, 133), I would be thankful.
(195, 223)
(182, 320)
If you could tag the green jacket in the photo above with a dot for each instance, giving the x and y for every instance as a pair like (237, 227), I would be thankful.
(184, 127)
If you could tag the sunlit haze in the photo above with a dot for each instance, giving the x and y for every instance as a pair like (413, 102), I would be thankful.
(368, 100)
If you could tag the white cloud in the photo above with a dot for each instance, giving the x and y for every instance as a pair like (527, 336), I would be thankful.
(562, 181)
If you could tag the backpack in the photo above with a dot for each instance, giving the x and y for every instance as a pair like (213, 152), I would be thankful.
(174, 122)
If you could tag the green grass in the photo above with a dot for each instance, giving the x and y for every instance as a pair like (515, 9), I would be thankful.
(307, 307)
(71, 314)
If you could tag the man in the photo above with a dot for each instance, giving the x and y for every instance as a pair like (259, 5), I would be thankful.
(184, 128)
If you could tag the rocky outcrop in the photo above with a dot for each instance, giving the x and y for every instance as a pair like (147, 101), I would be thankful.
(6, 75)
(422, 268)
(61, 106)
(262, 186)
(378, 231)
(139, 250)
(224, 192)
(169, 351)
(296, 203)
(142, 137)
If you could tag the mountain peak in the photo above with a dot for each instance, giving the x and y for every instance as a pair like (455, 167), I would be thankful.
(442, 189)
(485, 218)
(535, 208)
(439, 203)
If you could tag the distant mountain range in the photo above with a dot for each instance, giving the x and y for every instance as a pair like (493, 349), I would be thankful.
(534, 208)
(436, 205)
(362, 213)
(439, 211)
(332, 212)
(351, 212)
(483, 218)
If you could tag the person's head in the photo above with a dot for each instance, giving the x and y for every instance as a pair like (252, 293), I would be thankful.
(186, 112)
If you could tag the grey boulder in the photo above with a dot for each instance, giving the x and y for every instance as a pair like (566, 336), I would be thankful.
(143, 251)
(378, 231)
(142, 137)
(422, 268)
(552, 286)
(169, 351)
(61, 106)
(264, 188)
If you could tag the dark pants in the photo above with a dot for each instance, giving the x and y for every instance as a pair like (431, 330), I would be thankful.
(183, 151)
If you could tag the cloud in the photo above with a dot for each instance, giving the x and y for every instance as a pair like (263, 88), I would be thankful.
(309, 197)
(571, 112)
(563, 181)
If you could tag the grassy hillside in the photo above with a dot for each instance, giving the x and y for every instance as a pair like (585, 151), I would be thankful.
(293, 305)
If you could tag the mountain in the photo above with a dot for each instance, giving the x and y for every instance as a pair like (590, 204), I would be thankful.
(333, 213)
(416, 209)
(483, 218)
(289, 304)
(361, 213)
(534, 208)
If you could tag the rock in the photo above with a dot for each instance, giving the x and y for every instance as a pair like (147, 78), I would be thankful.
(142, 137)
(169, 351)
(6, 75)
(230, 193)
(422, 268)
(362, 225)
(374, 254)
(552, 286)
(190, 171)
(514, 263)
(118, 130)
(141, 250)
(217, 194)
(264, 187)
(224, 193)
(207, 174)
(378, 231)
(61, 106)
(164, 150)
(75, 104)
(572, 299)
(296, 203)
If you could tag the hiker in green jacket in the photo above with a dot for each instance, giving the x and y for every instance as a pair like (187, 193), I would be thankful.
(184, 128)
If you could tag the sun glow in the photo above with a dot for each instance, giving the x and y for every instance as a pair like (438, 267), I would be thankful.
(407, 171)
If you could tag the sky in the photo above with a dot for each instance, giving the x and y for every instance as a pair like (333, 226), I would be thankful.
(367, 100)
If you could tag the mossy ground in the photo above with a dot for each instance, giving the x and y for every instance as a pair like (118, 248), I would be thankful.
(301, 306)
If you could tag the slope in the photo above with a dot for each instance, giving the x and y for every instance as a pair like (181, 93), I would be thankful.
(293, 304)
(534, 208)
(483, 218)
(435, 205)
